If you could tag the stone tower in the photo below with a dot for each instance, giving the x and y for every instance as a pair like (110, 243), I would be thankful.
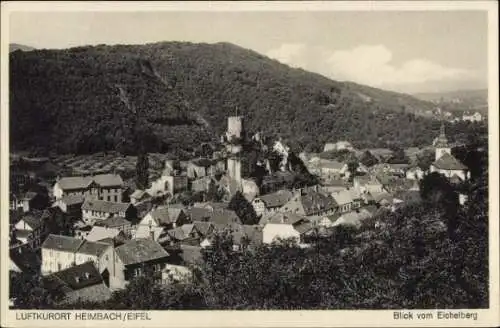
(441, 144)
(234, 136)
(234, 127)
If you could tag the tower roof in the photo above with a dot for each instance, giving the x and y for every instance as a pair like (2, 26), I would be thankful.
(441, 140)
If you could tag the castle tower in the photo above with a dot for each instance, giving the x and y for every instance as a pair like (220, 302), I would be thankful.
(441, 144)
(234, 127)
(234, 136)
(234, 169)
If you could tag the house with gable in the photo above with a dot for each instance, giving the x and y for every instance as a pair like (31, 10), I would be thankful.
(116, 222)
(62, 252)
(136, 258)
(367, 183)
(95, 210)
(284, 225)
(271, 202)
(344, 200)
(77, 283)
(71, 205)
(24, 259)
(309, 203)
(27, 201)
(353, 218)
(161, 219)
(102, 233)
(30, 230)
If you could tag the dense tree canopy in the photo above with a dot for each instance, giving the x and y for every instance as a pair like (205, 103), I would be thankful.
(70, 101)
(243, 209)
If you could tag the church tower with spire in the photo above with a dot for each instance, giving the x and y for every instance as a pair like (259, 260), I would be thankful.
(441, 144)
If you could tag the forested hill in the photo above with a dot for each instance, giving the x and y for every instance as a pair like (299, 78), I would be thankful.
(17, 46)
(80, 100)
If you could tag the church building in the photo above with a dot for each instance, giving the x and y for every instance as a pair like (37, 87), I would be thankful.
(445, 163)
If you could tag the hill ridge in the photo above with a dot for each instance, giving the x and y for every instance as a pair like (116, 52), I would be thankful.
(68, 97)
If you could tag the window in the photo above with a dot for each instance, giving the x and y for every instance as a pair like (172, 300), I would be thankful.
(109, 198)
(116, 198)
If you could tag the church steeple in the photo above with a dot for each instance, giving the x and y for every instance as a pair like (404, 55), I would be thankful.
(441, 143)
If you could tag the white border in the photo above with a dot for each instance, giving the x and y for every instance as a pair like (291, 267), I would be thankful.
(376, 318)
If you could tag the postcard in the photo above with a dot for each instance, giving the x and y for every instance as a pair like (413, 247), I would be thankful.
(249, 164)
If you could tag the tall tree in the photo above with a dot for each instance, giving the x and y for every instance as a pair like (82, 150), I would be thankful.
(243, 209)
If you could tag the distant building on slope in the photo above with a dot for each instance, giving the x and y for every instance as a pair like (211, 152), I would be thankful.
(339, 145)
(476, 117)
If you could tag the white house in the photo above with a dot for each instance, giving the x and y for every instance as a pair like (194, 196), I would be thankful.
(159, 220)
(61, 252)
(58, 253)
(331, 169)
(339, 145)
(271, 202)
(274, 231)
(367, 183)
(284, 225)
(29, 230)
(93, 210)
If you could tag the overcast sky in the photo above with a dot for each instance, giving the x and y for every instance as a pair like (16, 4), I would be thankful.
(402, 51)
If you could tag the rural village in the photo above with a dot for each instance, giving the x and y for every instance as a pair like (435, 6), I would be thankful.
(89, 230)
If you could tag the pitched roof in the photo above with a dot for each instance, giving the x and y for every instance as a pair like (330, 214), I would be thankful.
(204, 228)
(303, 227)
(104, 206)
(108, 180)
(70, 183)
(332, 164)
(73, 278)
(342, 197)
(224, 216)
(140, 250)
(32, 221)
(276, 199)
(73, 199)
(353, 218)
(378, 197)
(62, 243)
(313, 201)
(98, 233)
(30, 195)
(25, 259)
(93, 248)
(104, 180)
(182, 232)
(112, 222)
(203, 162)
(449, 162)
(138, 194)
(366, 179)
(281, 218)
(198, 213)
(409, 196)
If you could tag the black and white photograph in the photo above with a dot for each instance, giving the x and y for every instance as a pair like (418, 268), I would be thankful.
(177, 160)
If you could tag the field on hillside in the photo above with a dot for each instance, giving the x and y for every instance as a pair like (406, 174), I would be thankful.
(106, 163)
